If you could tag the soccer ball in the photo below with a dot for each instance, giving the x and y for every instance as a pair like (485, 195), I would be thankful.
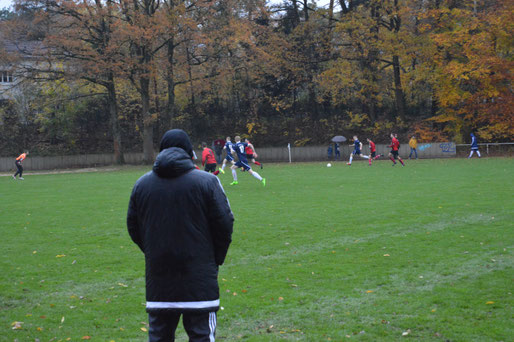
(329, 165)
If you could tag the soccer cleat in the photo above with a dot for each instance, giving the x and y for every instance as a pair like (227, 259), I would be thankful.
(264, 182)
(349, 164)
(221, 170)
(234, 183)
(22, 178)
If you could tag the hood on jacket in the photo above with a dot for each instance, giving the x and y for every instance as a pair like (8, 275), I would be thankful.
(172, 162)
(176, 138)
(175, 154)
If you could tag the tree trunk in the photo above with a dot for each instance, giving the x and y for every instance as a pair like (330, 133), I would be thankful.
(398, 91)
(170, 79)
(113, 116)
(148, 152)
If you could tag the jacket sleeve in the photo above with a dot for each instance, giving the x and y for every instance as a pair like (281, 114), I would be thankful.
(132, 221)
(221, 221)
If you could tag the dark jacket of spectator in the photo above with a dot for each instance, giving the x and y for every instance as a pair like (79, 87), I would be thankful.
(181, 219)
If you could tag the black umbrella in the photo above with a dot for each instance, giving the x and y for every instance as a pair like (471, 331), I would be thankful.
(338, 138)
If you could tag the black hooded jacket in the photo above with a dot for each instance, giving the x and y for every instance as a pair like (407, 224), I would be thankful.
(181, 220)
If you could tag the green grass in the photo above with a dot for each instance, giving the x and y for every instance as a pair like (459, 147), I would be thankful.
(343, 253)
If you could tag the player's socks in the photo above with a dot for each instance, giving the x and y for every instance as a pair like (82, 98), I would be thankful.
(256, 175)
(401, 161)
(234, 175)
(351, 158)
(257, 163)
(392, 159)
(369, 161)
(364, 156)
(478, 152)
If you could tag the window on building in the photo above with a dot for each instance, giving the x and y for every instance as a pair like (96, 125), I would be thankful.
(6, 77)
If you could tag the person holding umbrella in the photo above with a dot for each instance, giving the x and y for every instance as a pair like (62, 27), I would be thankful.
(337, 139)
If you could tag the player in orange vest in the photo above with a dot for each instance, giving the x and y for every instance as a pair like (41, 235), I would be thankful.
(17, 162)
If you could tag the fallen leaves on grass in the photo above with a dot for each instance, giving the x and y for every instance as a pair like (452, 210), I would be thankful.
(60, 255)
(386, 255)
(405, 333)
(122, 285)
(144, 329)
(369, 291)
(489, 302)
(86, 337)
(16, 325)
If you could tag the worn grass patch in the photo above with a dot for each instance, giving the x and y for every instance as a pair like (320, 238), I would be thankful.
(342, 253)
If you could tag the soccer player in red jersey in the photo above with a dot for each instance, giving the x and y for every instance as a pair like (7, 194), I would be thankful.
(251, 154)
(208, 159)
(395, 145)
(372, 151)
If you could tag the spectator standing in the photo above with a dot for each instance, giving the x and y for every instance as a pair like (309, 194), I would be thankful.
(218, 149)
(337, 151)
(413, 143)
(182, 222)
(330, 150)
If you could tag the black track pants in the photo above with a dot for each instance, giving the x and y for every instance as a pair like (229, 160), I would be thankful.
(200, 327)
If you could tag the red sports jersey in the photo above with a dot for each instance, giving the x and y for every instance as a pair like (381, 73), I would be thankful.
(208, 156)
(372, 147)
(248, 150)
(395, 144)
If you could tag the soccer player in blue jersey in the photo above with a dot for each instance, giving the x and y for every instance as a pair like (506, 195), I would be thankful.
(240, 148)
(357, 150)
(474, 146)
(229, 147)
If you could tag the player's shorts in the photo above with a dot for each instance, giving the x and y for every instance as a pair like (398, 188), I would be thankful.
(395, 154)
(356, 152)
(229, 158)
(373, 154)
(244, 165)
(474, 148)
(210, 167)
(249, 156)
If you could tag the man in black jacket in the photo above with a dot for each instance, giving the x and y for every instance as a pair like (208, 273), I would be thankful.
(181, 219)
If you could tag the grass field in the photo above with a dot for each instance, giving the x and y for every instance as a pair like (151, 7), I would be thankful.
(320, 254)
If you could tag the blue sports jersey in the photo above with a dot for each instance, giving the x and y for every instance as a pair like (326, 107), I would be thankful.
(240, 147)
(357, 145)
(229, 146)
(474, 142)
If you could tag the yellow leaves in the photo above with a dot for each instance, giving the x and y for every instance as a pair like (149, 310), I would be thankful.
(60, 255)
(386, 255)
(86, 337)
(369, 291)
(144, 329)
(122, 285)
(489, 302)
